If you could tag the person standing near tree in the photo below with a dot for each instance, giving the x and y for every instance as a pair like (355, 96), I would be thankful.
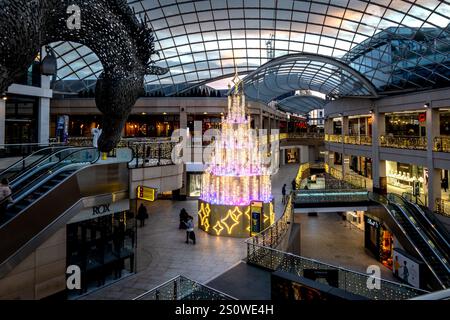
(283, 192)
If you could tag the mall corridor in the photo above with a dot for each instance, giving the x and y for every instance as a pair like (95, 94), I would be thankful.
(163, 254)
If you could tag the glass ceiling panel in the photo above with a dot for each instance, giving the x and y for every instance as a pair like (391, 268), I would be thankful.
(373, 37)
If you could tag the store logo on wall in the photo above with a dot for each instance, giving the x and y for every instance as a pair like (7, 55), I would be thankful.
(101, 209)
(373, 223)
(422, 117)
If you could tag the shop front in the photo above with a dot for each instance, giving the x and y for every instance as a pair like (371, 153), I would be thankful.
(378, 240)
(101, 241)
(292, 155)
(411, 124)
(361, 166)
(403, 177)
(356, 218)
(194, 181)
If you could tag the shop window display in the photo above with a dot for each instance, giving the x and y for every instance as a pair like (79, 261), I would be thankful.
(195, 184)
(103, 248)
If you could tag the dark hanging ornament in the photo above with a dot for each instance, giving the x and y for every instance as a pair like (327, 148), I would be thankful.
(48, 64)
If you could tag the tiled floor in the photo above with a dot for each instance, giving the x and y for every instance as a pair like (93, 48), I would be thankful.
(162, 253)
(329, 239)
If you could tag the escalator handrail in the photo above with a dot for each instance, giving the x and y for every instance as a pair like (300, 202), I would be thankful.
(40, 162)
(424, 238)
(2, 202)
(421, 212)
(384, 201)
(32, 164)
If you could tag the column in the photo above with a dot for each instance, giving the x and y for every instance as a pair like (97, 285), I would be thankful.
(44, 114)
(304, 154)
(283, 156)
(345, 158)
(434, 174)
(2, 121)
(378, 165)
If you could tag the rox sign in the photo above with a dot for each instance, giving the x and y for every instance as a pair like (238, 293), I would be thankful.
(101, 209)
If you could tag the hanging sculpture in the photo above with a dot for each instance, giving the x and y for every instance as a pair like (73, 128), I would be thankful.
(123, 44)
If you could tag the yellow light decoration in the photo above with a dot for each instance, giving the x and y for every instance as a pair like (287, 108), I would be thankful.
(206, 225)
(204, 213)
(230, 220)
(247, 214)
(218, 228)
(272, 213)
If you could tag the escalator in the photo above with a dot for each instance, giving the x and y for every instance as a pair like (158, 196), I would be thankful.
(43, 176)
(25, 164)
(38, 203)
(413, 236)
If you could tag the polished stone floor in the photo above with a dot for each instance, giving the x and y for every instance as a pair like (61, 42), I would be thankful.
(329, 239)
(163, 254)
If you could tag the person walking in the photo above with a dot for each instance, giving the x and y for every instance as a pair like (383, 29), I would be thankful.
(142, 215)
(183, 219)
(283, 192)
(190, 234)
(5, 198)
(294, 185)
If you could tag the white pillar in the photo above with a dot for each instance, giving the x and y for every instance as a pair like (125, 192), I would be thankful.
(2, 121)
(304, 154)
(378, 166)
(44, 114)
(434, 175)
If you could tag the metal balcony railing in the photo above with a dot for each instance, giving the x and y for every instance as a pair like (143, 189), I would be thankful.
(359, 140)
(182, 288)
(333, 138)
(442, 207)
(441, 144)
(404, 142)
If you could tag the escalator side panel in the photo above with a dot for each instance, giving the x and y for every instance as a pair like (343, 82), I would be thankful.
(34, 221)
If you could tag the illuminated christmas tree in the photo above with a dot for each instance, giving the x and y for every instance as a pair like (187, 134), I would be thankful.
(236, 198)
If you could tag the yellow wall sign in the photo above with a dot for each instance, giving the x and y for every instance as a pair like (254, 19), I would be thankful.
(146, 193)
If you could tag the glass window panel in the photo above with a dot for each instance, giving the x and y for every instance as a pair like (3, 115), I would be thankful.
(207, 26)
(213, 55)
(174, 21)
(283, 25)
(171, 10)
(237, 24)
(211, 45)
(251, 13)
(192, 28)
(220, 14)
(302, 6)
(189, 18)
(223, 35)
(222, 25)
(252, 24)
(186, 7)
(205, 5)
(205, 16)
(225, 44)
(236, 14)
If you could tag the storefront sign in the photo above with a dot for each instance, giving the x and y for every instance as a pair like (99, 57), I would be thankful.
(146, 193)
(101, 210)
(373, 223)
(422, 117)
